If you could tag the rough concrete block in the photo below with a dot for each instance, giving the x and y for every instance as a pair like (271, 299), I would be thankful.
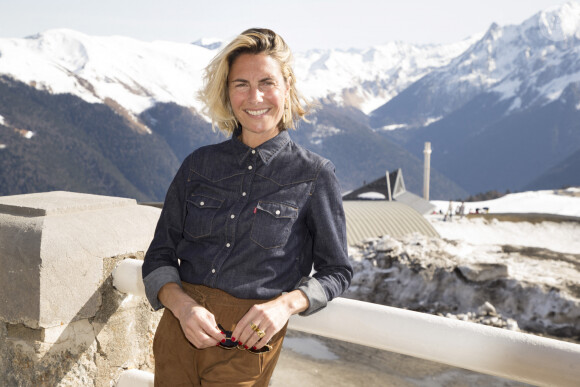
(52, 247)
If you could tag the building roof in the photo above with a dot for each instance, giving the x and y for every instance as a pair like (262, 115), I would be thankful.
(390, 187)
(375, 218)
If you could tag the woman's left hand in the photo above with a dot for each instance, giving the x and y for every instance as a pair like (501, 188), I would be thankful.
(270, 317)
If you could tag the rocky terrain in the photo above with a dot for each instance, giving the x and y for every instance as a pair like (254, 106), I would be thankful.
(515, 287)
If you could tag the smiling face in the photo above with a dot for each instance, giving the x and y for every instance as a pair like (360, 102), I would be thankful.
(257, 92)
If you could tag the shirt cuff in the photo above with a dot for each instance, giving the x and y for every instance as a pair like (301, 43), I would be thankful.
(155, 281)
(315, 294)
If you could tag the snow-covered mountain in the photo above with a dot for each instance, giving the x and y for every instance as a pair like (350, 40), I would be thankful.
(528, 64)
(134, 74)
(368, 78)
(138, 74)
(532, 62)
(516, 86)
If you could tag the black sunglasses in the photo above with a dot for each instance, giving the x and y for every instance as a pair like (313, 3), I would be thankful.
(230, 344)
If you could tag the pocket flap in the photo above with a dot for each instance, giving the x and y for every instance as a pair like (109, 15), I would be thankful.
(202, 201)
(278, 210)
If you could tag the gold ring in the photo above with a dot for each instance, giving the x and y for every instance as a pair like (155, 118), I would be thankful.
(258, 331)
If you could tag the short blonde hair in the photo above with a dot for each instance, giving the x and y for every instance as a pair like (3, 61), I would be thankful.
(215, 93)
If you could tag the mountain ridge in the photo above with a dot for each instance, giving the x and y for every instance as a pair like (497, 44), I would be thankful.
(472, 99)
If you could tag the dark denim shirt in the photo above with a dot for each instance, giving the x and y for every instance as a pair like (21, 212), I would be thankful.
(254, 223)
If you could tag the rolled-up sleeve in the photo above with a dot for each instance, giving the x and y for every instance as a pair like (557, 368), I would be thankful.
(161, 262)
(328, 249)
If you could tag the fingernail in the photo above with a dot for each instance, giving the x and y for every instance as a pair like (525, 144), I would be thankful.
(233, 338)
(240, 343)
(223, 333)
(245, 346)
(217, 345)
(254, 348)
(223, 340)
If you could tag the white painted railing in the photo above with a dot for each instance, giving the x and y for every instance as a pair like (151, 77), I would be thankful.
(135, 378)
(494, 351)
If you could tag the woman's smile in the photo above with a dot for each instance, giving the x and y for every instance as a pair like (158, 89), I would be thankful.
(256, 112)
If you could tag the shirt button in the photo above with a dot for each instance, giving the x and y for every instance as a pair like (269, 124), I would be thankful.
(243, 194)
(213, 271)
(201, 204)
(277, 212)
(232, 216)
(250, 167)
(253, 151)
(228, 245)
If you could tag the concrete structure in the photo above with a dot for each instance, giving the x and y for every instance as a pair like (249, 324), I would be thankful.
(426, 170)
(61, 321)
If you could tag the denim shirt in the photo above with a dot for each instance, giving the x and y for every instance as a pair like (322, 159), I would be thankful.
(254, 223)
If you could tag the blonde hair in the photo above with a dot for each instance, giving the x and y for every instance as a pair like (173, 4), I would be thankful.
(215, 93)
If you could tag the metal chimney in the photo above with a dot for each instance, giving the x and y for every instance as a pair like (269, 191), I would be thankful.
(426, 169)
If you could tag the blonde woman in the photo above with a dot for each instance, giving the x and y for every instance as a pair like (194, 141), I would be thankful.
(252, 230)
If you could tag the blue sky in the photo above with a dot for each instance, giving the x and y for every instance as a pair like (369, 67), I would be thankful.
(304, 24)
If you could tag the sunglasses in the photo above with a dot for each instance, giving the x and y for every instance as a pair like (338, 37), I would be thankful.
(230, 344)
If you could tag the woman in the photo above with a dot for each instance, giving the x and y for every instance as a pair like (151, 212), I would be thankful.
(243, 224)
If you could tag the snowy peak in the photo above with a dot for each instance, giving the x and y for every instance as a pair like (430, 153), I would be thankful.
(559, 23)
(210, 43)
(132, 73)
(368, 78)
(531, 63)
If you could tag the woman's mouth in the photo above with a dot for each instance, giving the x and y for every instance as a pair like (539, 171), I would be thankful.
(256, 112)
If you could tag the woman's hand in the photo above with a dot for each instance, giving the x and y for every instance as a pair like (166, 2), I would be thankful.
(270, 317)
(197, 323)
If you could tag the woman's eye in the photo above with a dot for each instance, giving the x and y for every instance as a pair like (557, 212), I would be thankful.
(267, 85)
(241, 87)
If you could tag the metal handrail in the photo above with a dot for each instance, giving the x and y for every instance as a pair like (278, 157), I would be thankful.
(489, 350)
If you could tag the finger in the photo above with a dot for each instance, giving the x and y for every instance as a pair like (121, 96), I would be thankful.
(211, 329)
(242, 330)
(201, 330)
(261, 341)
(246, 336)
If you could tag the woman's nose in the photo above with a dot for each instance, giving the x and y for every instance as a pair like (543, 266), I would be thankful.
(256, 95)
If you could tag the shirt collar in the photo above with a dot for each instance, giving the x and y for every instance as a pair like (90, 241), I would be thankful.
(267, 151)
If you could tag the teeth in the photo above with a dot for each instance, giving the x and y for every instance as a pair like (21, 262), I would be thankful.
(256, 112)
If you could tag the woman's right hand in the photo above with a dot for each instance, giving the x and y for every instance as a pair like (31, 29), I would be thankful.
(198, 324)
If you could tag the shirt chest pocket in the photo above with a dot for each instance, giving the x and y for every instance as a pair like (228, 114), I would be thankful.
(201, 211)
(272, 224)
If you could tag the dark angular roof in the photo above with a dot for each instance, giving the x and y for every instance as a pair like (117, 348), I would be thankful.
(392, 187)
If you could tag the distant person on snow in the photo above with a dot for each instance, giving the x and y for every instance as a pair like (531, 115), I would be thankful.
(461, 210)
(243, 224)
(449, 213)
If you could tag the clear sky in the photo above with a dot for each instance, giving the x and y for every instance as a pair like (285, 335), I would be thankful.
(304, 24)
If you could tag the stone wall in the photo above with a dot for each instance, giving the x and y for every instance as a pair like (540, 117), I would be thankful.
(62, 323)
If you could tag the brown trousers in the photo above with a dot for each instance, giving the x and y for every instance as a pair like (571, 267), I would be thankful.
(179, 363)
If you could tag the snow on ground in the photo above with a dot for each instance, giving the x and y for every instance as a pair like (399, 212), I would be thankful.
(561, 202)
(561, 237)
